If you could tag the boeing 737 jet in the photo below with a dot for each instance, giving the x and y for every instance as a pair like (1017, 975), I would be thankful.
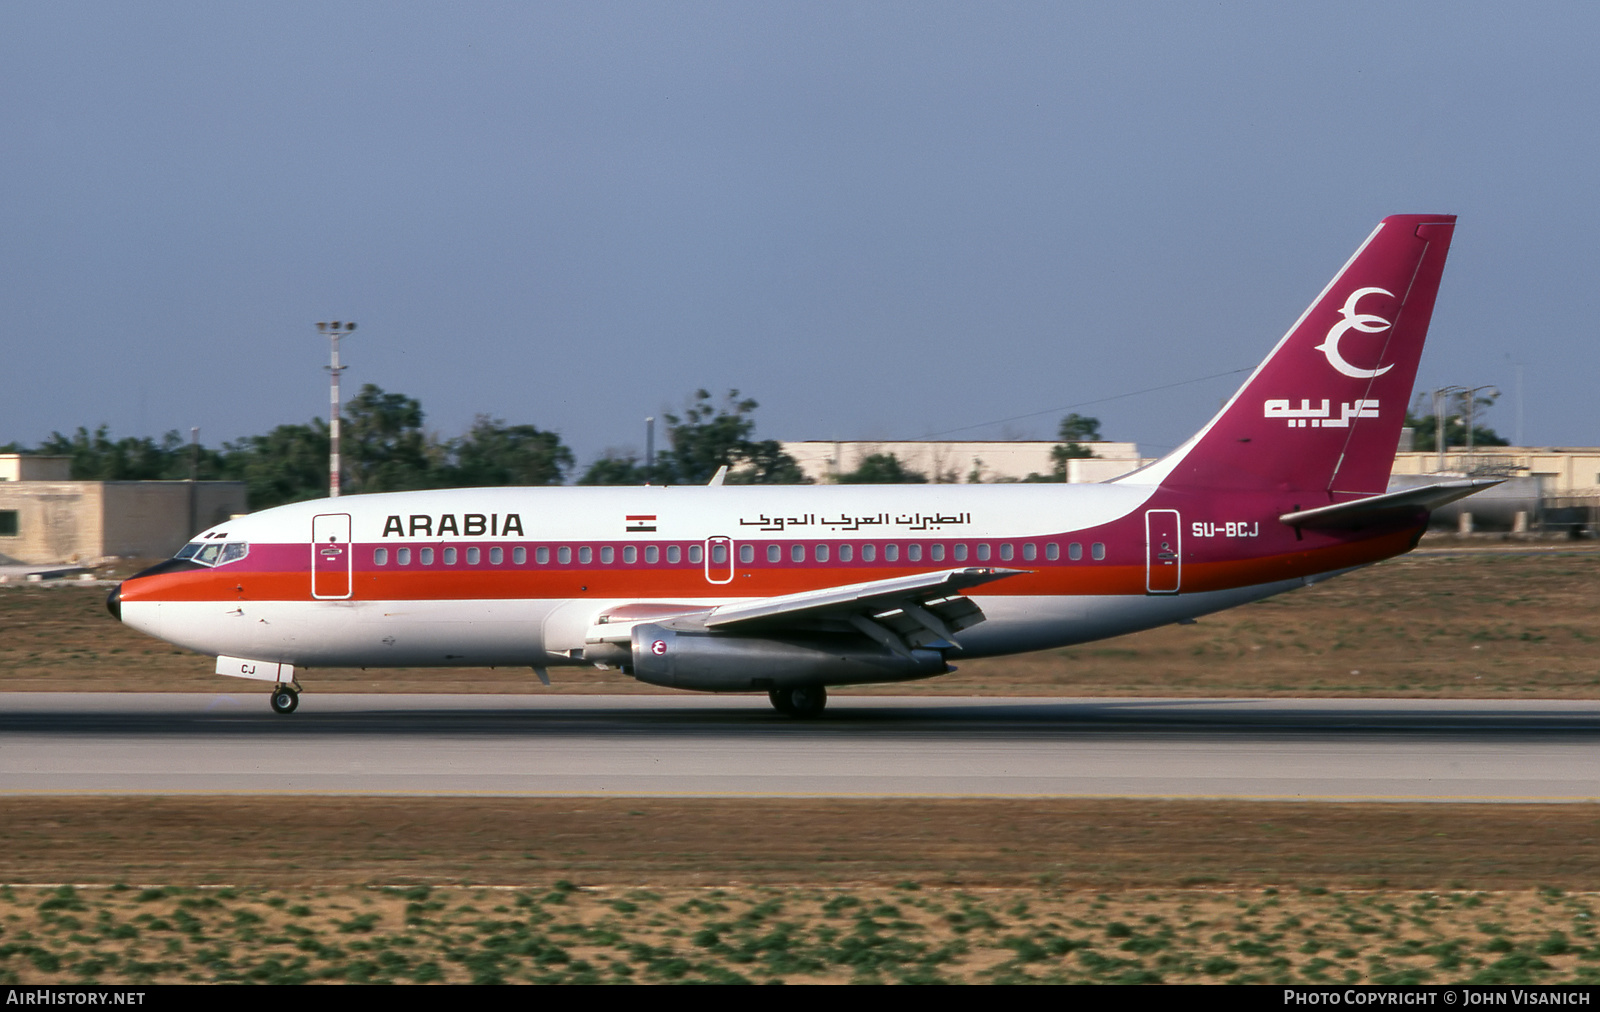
(790, 589)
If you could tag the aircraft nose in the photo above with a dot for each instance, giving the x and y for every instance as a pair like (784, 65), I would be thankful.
(114, 602)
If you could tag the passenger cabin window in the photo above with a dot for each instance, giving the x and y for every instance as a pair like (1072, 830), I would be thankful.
(542, 556)
(402, 557)
(564, 555)
(983, 553)
(891, 553)
(913, 553)
(608, 555)
(380, 556)
(585, 555)
(747, 553)
(774, 553)
(845, 551)
(822, 553)
(696, 553)
(519, 556)
(1052, 551)
(868, 553)
(652, 554)
(1098, 551)
(1005, 553)
(449, 556)
(630, 554)
(797, 553)
(1030, 551)
(719, 552)
(936, 553)
(472, 556)
(425, 556)
(1074, 551)
(960, 553)
(497, 555)
(675, 554)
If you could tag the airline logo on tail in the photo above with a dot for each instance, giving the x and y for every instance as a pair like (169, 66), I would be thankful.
(1364, 322)
(1351, 318)
(1320, 417)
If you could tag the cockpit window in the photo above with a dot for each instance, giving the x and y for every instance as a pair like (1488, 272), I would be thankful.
(214, 553)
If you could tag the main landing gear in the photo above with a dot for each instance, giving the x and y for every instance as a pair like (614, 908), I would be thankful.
(801, 701)
(284, 699)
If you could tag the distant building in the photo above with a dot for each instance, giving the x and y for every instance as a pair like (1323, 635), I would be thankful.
(45, 518)
(955, 462)
(1559, 470)
(1552, 487)
(27, 467)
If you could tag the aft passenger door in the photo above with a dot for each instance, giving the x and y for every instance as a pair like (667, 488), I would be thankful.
(331, 556)
(1163, 552)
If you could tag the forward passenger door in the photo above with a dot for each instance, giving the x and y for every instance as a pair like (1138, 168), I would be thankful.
(331, 556)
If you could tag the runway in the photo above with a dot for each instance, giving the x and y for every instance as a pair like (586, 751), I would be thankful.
(695, 745)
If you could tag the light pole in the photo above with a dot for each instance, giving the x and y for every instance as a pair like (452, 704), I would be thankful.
(1471, 397)
(1441, 397)
(649, 450)
(334, 331)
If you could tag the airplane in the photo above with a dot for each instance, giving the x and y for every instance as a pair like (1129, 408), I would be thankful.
(793, 589)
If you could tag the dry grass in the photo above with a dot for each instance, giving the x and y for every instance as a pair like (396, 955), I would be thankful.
(625, 890)
(560, 933)
(1077, 843)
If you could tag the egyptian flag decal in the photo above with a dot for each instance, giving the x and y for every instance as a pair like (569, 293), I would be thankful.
(641, 524)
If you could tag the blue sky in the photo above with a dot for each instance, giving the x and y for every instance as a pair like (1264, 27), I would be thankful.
(880, 220)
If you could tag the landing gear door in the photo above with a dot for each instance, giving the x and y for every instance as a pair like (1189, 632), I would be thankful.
(1163, 552)
(331, 556)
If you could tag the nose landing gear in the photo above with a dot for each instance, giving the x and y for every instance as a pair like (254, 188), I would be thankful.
(285, 698)
(802, 701)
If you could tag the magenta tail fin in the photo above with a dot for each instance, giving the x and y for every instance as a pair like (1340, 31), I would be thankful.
(1323, 413)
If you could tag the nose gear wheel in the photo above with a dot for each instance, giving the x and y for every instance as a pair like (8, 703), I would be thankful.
(284, 699)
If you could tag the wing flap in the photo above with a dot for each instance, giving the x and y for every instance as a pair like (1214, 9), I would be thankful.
(868, 598)
(921, 611)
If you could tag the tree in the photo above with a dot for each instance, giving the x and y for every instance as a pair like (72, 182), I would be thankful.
(384, 449)
(1075, 430)
(765, 463)
(1425, 427)
(615, 468)
(494, 453)
(96, 457)
(882, 469)
(707, 437)
(288, 464)
(383, 444)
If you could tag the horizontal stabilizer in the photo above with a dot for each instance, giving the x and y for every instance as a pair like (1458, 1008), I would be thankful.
(1360, 512)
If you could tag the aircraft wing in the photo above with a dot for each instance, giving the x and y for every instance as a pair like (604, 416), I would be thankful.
(902, 613)
(1390, 504)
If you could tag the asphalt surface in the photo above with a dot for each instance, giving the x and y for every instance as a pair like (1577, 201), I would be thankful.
(696, 745)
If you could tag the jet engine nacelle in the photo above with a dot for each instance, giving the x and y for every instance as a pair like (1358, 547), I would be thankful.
(724, 662)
